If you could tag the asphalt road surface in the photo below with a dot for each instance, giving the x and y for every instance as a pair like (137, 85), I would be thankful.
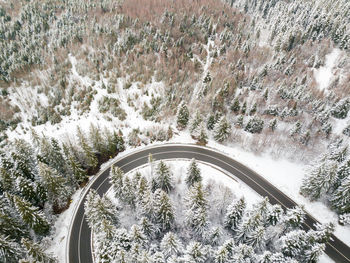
(79, 243)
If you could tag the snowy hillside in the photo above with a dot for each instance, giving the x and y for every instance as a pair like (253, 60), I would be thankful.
(266, 82)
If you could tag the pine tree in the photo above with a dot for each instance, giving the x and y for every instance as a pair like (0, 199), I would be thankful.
(274, 215)
(341, 197)
(98, 208)
(273, 124)
(246, 228)
(26, 188)
(193, 174)
(182, 115)
(10, 251)
(312, 255)
(171, 245)
(203, 137)
(79, 174)
(137, 235)
(97, 140)
(294, 218)
(57, 191)
(254, 125)
(257, 238)
(35, 252)
(24, 160)
(214, 236)
(128, 192)
(90, 157)
(234, 214)
(197, 209)
(163, 178)
(235, 107)
(7, 181)
(196, 125)
(148, 228)
(116, 177)
(195, 252)
(320, 181)
(222, 130)
(221, 255)
(164, 212)
(30, 215)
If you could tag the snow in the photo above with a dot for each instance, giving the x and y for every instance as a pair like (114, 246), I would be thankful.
(324, 75)
(58, 242)
(286, 176)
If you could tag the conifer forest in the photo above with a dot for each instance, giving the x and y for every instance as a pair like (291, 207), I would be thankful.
(87, 83)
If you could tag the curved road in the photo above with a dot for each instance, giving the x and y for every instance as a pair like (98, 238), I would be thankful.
(79, 240)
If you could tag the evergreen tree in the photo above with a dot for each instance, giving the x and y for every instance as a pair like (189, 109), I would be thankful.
(197, 209)
(35, 252)
(163, 178)
(235, 107)
(137, 235)
(214, 236)
(30, 215)
(341, 197)
(171, 245)
(148, 228)
(294, 218)
(273, 124)
(7, 181)
(203, 137)
(97, 140)
(90, 157)
(196, 125)
(57, 191)
(254, 125)
(221, 255)
(182, 115)
(222, 130)
(164, 212)
(274, 215)
(98, 208)
(116, 177)
(195, 252)
(320, 180)
(248, 225)
(10, 251)
(79, 174)
(257, 238)
(128, 192)
(193, 174)
(234, 214)
(312, 255)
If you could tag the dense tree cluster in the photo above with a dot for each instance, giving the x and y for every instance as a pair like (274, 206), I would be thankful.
(37, 179)
(330, 179)
(153, 223)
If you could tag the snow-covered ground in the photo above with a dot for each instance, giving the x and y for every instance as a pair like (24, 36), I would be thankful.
(324, 75)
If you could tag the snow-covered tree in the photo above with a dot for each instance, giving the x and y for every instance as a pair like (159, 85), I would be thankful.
(163, 209)
(254, 125)
(222, 130)
(35, 253)
(163, 178)
(171, 245)
(56, 186)
(182, 115)
(193, 174)
(31, 215)
(116, 177)
(195, 252)
(234, 214)
(10, 251)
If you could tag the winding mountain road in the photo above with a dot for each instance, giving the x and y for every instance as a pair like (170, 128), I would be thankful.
(79, 240)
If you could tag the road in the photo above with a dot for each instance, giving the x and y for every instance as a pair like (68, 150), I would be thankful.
(79, 240)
